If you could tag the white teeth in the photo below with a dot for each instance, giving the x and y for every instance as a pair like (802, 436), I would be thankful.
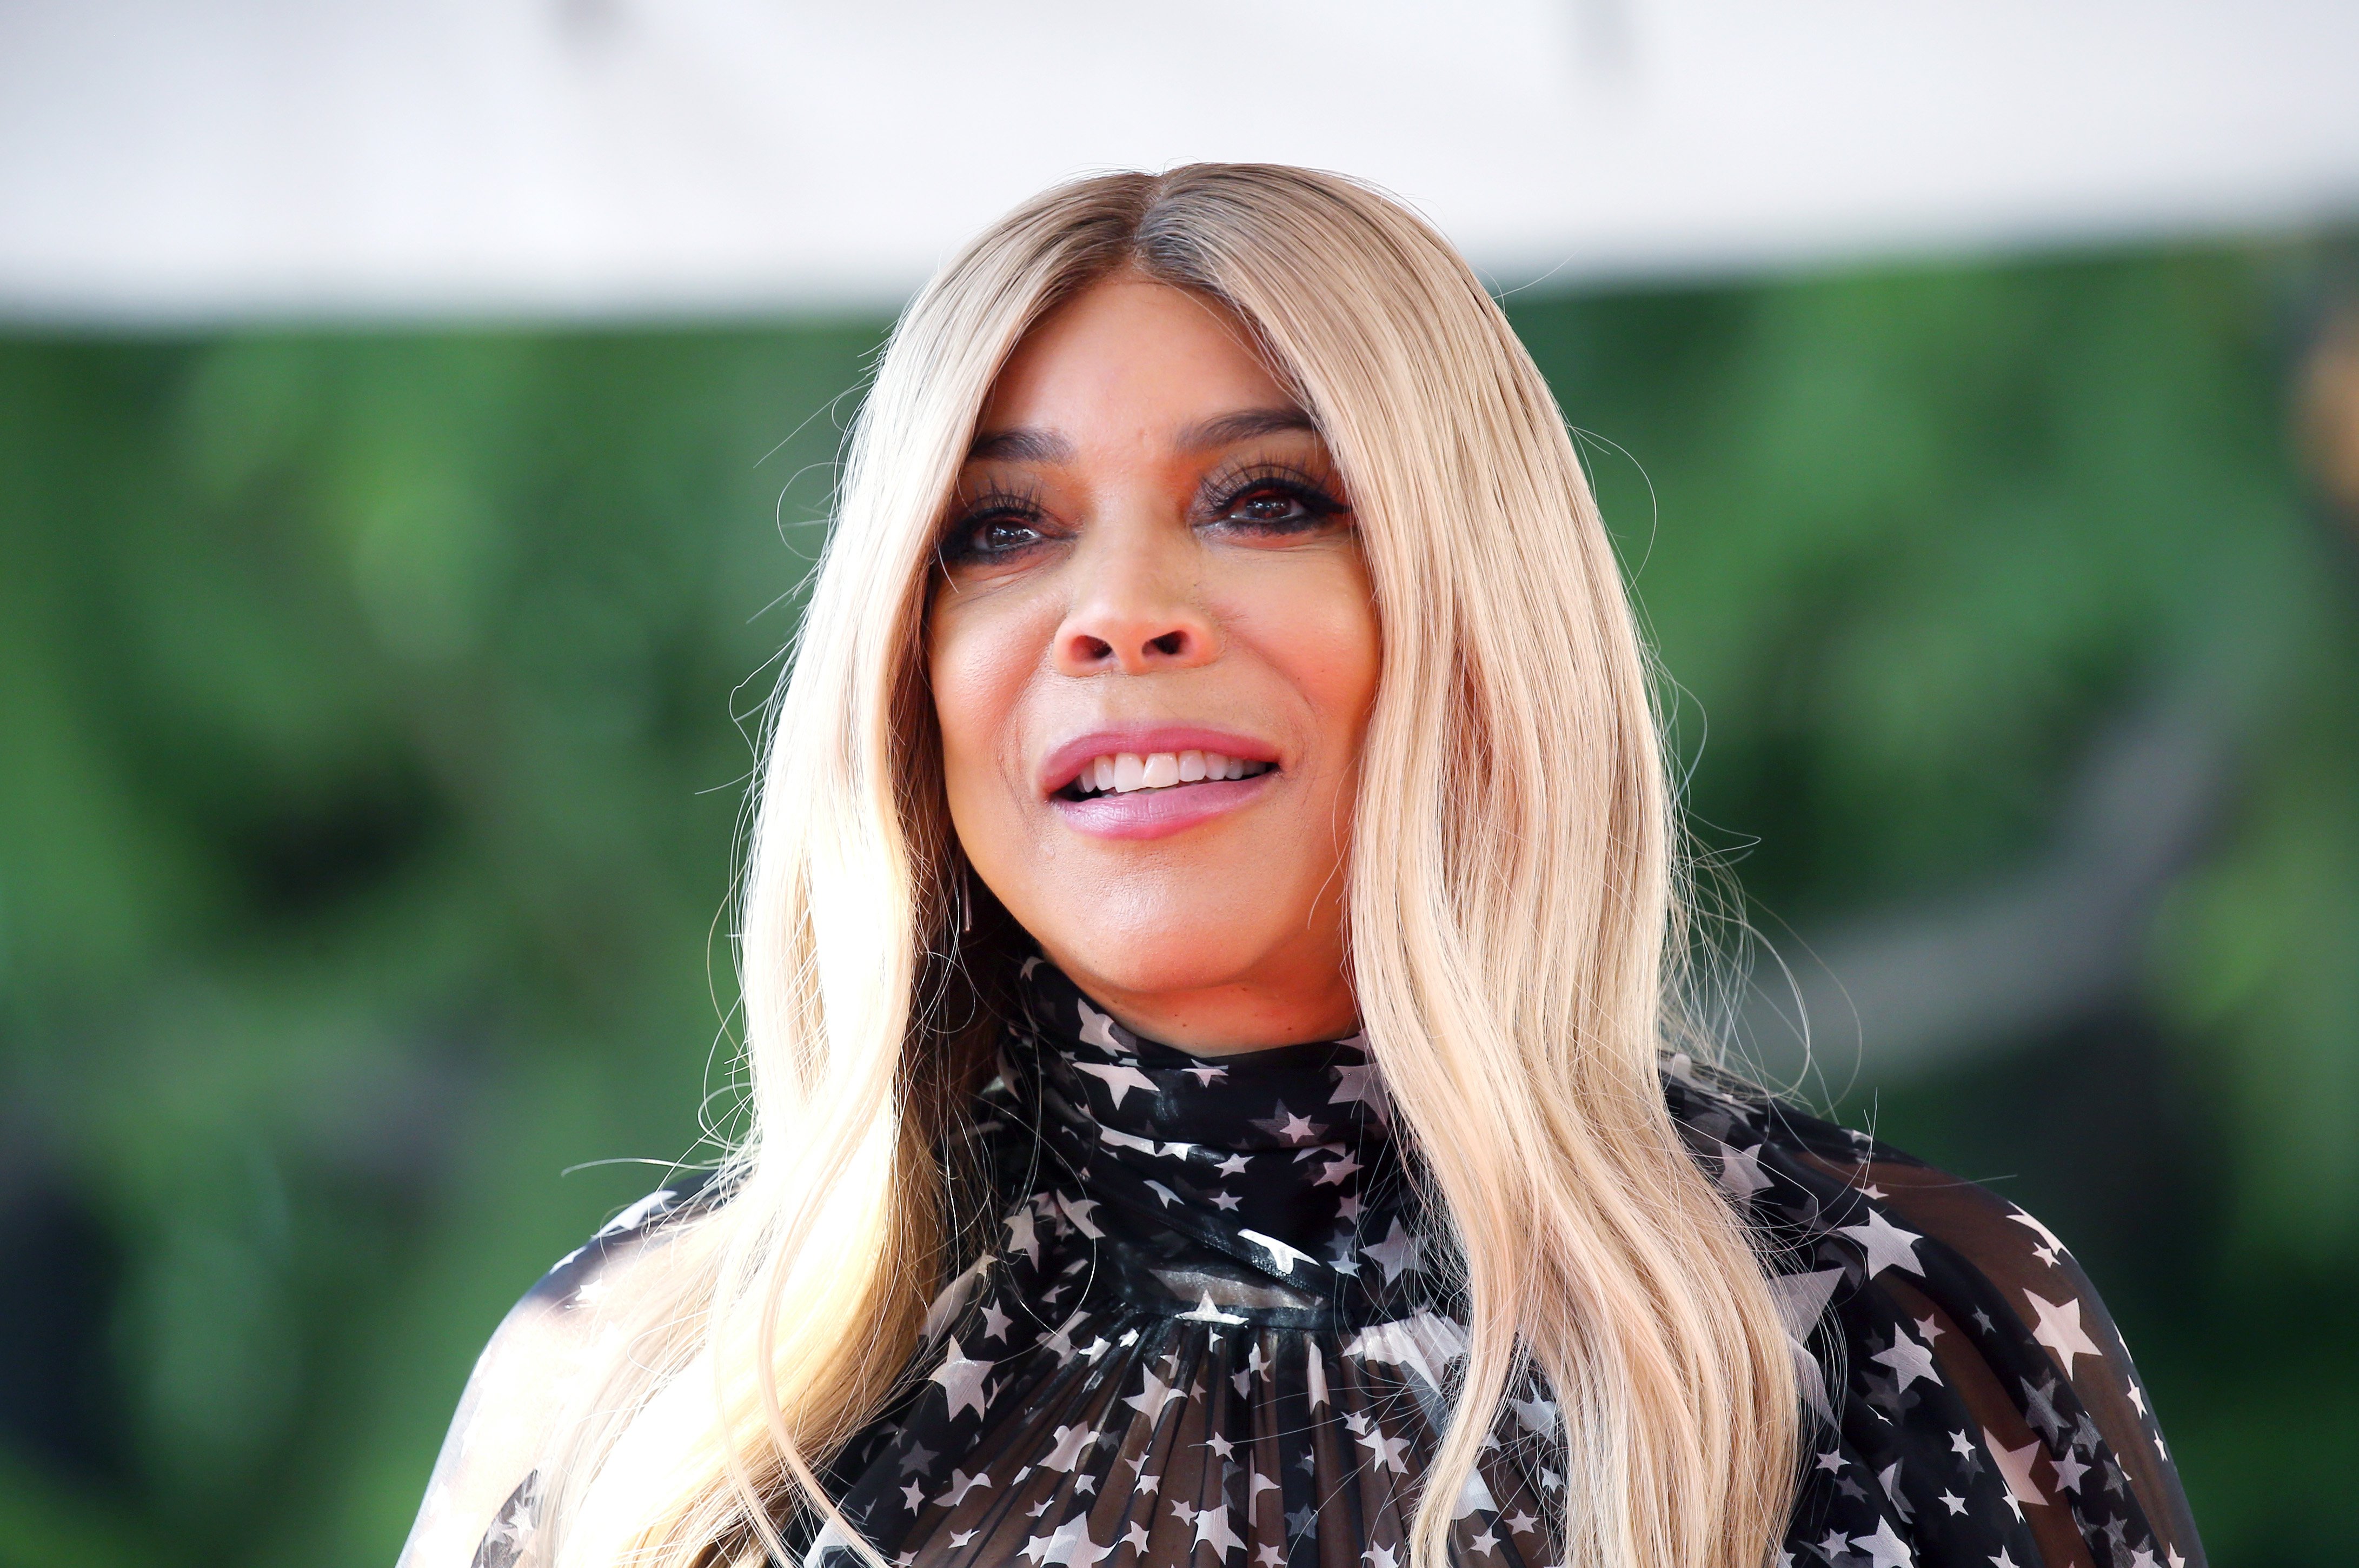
(1127, 771)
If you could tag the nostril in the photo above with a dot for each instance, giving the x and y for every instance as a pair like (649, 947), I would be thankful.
(1169, 643)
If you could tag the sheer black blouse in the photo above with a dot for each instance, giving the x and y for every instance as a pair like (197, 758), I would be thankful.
(1216, 1326)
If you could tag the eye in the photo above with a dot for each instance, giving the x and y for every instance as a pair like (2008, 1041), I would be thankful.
(1277, 503)
(993, 530)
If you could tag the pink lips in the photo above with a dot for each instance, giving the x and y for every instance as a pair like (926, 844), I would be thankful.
(1152, 813)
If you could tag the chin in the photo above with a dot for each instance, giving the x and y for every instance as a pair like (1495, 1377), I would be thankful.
(1190, 947)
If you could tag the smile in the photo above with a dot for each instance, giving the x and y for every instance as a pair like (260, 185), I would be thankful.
(1126, 772)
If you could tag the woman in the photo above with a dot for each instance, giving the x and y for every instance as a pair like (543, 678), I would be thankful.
(1206, 945)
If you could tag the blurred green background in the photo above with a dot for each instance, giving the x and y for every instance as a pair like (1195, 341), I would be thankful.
(373, 725)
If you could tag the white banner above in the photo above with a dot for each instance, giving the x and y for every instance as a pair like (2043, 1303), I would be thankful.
(164, 162)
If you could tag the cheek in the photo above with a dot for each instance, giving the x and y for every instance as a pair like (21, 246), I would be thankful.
(1319, 628)
(979, 658)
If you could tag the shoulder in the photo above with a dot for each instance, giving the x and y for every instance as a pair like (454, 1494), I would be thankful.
(1971, 1392)
(478, 1504)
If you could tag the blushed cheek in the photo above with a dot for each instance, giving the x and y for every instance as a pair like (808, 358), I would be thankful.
(978, 665)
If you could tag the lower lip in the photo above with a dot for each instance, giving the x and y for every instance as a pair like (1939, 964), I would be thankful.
(1155, 813)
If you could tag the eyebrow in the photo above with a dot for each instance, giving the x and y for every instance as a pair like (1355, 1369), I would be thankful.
(1029, 445)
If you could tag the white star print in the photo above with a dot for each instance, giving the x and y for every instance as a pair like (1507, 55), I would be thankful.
(994, 1321)
(1909, 1359)
(1885, 1549)
(1952, 1501)
(1522, 1523)
(1078, 1211)
(960, 1537)
(1225, 1201)
(1068, 1543)
(1119, 1080)
(1207, 1076)
(1387, 1451)
(1886, 1245)
(1539, 1416)
(1362, 1083)
(1485, 1542)
(1097, 1029)
(1137, 1539)
(2015, 1469)
(961, 1380)
(1065, 1449)
(1379, 1556)
(1021, 1237)
(2060, 1329)
(1268, 1556)
(1213, 1530)
(2069, 1470)
(2052, 1243)
(1397, 1252)
(962, 1484)
(1334, 1171)
(1151, 1399)
(1740, 1172)
(1205, 1311)
(1280, 1254)
(1927, 1329)
(1235, 1165)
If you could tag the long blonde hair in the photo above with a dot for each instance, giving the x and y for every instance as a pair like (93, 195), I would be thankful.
(1512, 925)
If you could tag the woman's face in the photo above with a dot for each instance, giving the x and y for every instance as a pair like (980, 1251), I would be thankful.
(1153, 650)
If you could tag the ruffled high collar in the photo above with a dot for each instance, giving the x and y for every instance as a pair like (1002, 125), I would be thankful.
(1280, 1159)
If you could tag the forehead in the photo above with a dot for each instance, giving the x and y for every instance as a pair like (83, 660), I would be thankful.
(1130, 358)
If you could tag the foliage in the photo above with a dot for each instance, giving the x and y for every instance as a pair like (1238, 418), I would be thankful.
(373, 722)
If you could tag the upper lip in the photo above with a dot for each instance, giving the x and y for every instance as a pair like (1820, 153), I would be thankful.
(1064, 764)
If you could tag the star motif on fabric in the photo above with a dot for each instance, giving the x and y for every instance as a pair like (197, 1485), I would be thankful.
(1884, 1549)
(1362, 1083)
(1070, 1544)
(1954, 1503)
(1215, 1529)
(1397, 1252)
(1268, 1555)
(1831, 1460)
(2015, 1469)
(1225, 1201)
(2060, 1329)
(1137, 1539)
(1929, 1329)
(2138, 1397)
(1119, 1080)
(2069, 1470)
(1206, 1076)
(961, 1380)
(1282, 1256)
(1910, 1360)
(994, 1321)
(1378, 1556)
(1205, 1311)
(1385, 1451)
(1151, 1399)
(1333, 1173)
(1886, 1245)
(960, 1538)
(1740, 1172)
(1235, 1165)
(1065, 1448)
(913, 1496)
(1097, 1029)
(1021, 1234)
(1485, 1543)
(1220, 1446)
(962, 1484)
(1522, 1523)
(2050, 1244)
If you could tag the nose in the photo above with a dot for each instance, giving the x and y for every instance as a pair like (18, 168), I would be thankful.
(1134, 610)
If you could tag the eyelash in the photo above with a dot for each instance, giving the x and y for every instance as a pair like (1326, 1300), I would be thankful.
(1233, 487)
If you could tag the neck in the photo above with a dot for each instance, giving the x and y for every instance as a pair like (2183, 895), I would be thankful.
(1227, 1018)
